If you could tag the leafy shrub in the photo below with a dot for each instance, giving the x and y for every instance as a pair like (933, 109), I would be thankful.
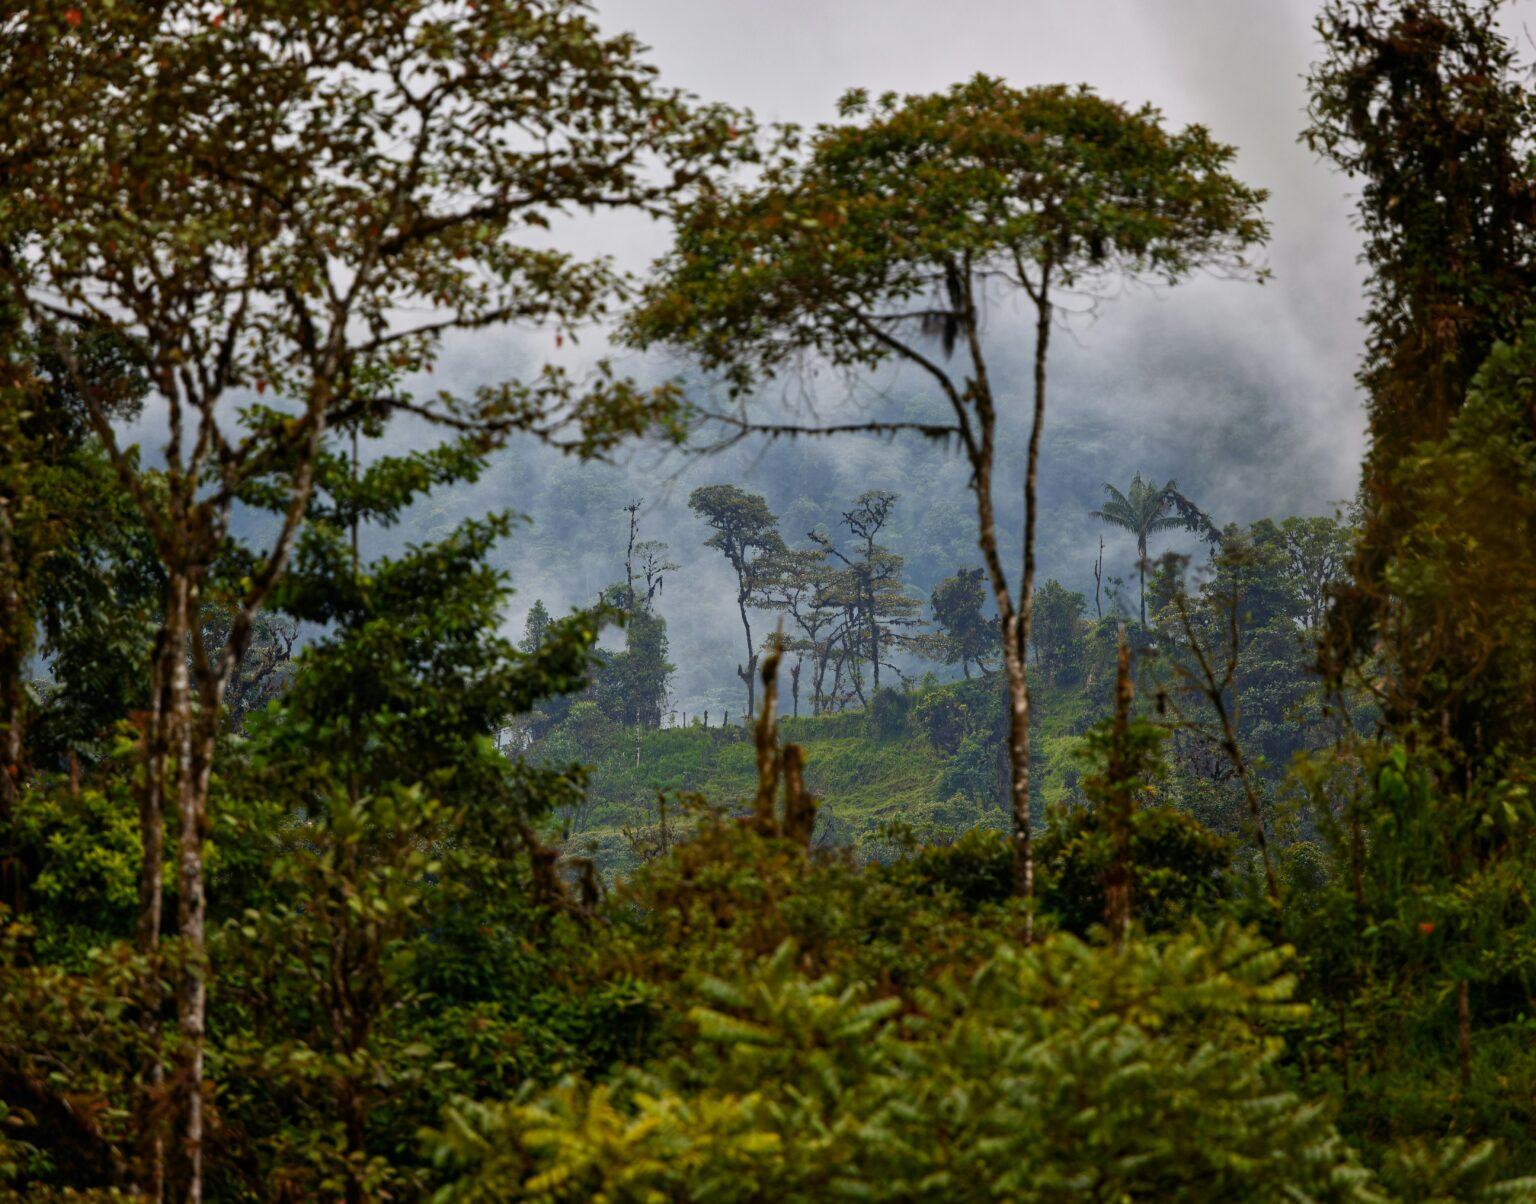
(1065, 1072)
(1177, 867)
(888, 713)
(944, 717)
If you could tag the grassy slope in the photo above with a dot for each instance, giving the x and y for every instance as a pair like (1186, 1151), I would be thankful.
(864, 782)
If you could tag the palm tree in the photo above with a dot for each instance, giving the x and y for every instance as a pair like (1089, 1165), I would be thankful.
(1146, 509)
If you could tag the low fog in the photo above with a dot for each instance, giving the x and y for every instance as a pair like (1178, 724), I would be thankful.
(1243, 393)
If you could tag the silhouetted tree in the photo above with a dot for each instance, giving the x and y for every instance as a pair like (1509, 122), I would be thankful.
(746, 533)
(965, 635)
(868, 587)
(1147, 509)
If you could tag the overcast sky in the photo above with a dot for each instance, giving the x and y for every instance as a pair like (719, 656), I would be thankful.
(1233, 65)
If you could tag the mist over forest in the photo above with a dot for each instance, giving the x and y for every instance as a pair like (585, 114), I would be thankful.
(1241, 394)
(1231, 424)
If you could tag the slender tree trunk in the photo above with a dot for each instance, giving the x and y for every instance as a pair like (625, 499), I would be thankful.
(193, 747)
(748, 674)
(1098, 578)
(1013, 621)
(1018, 781)
(1025, 874)
(14, 649)
(1464, 1032)
(1013, 664)
(1141, 568)
(159, 734)
(874, 629)
(1117, 877)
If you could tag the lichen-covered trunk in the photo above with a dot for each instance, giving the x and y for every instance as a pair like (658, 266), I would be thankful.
(1013, 620)
(159, 735)
(199, 719)
(14, 649)
(748, 672)
(1018, 774)
(1009, 623)
(195, 756)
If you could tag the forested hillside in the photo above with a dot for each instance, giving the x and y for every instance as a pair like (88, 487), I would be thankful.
(798, 748)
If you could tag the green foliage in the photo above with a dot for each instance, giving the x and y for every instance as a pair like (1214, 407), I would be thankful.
(70, 1046)
(1056, 634)
(881, 206)
(1428, 104)
(702, 1010)
(83, 851)
(76, 562)
(630, 687)
(964, 637)
(743, 525)
(1047, 1075)
(888, 713)
(1178, 868)
(1464, 510)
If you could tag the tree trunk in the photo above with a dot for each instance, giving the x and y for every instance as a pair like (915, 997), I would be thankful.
(874, 632)
(1018, 767)
(1098, 578)
(1025, 874)
(1464, 1032)
(195, 730)
(1014, 622)
(14, 649)
(159, 725)
(1117, 876)
(1141, 567)
(749, 673)
(1013, 666)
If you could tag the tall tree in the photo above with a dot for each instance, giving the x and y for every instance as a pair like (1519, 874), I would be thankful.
(880, 239)
(535, 628)
(965, 635)
(746, 533)
(869, 585)
(1427, 103)
(632, 685)
(270, 199)
(1145, 510)
(1317, 552)
(394, 880)
(1057, 633)
(797, 583)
